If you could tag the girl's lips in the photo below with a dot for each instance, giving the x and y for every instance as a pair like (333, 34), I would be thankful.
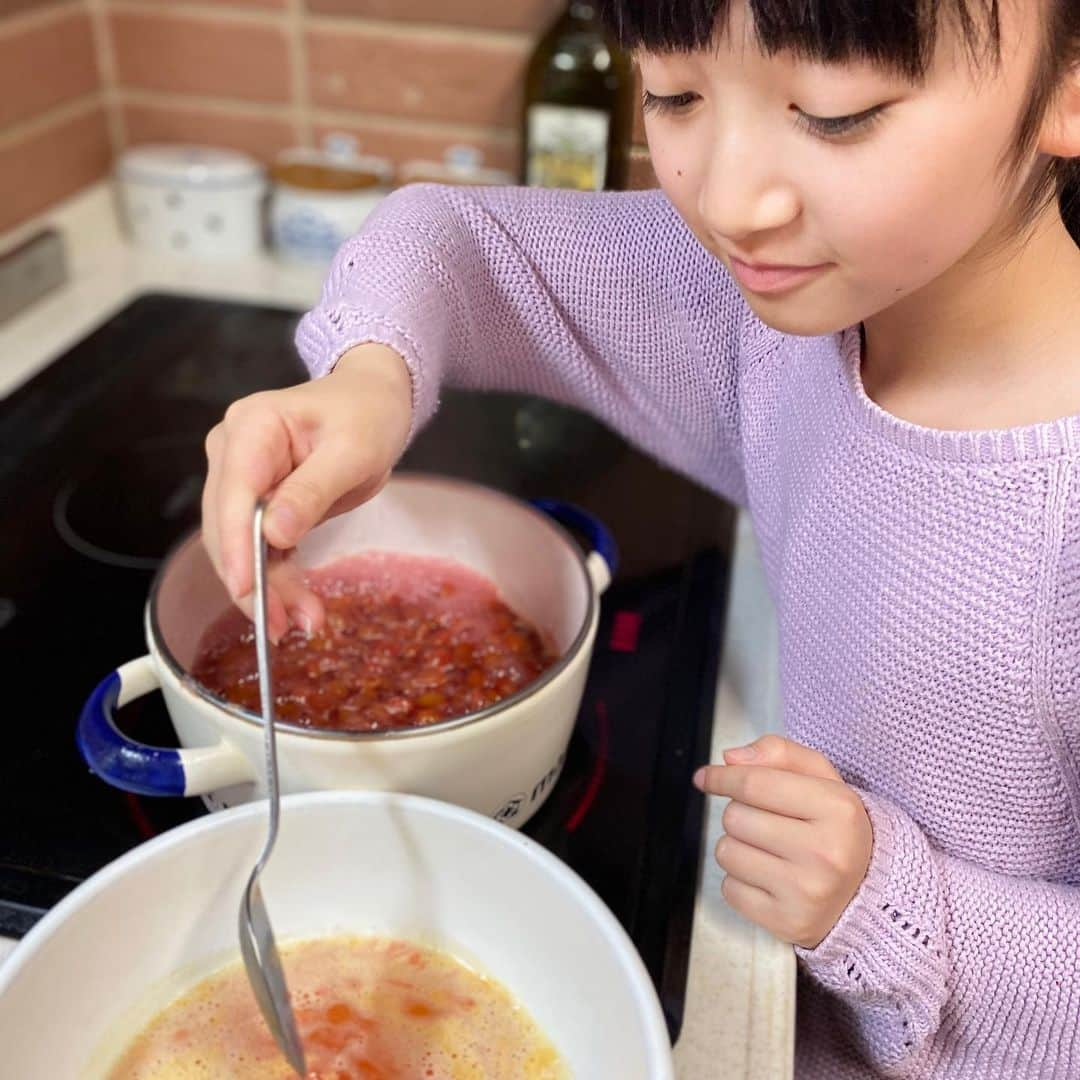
(772, 279)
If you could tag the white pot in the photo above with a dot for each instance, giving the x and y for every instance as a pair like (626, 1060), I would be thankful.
(152, 923)
(193, 200)
(502, 762)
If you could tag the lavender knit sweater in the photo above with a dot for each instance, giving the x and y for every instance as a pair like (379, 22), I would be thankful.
(927, 585)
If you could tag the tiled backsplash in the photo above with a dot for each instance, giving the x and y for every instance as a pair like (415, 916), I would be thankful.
(407, 78)
(53, 131)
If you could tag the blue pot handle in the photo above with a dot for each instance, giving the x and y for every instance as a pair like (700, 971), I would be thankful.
(149, 770)
(575, 517)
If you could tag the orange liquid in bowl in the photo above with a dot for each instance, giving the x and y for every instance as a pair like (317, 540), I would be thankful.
(367, 1009)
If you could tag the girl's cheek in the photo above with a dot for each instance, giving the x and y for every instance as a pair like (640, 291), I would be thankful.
(869, 222)
(678, 151)
(665, 162)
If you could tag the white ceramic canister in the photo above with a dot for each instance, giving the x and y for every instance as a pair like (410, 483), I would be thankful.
(503, 761)
(320, 198)
(193, 200)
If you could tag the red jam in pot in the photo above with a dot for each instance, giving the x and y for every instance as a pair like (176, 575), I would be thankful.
(408, 641)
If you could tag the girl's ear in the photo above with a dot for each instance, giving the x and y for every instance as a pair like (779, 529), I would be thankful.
(1060, 135)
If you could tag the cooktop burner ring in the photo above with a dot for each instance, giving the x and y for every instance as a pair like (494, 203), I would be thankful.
(94, 518)
(85, 547)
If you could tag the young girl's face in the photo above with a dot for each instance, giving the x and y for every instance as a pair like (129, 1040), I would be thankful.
(873, 185)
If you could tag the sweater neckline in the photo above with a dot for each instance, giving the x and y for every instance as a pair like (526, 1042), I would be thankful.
(1030, 442)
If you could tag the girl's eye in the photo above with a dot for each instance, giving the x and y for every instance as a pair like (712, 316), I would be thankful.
(672, 103)
(831, 127)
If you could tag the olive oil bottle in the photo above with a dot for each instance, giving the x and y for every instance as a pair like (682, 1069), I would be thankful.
(579, 91)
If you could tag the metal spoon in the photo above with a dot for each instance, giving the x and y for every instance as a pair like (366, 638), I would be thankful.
(257, 944)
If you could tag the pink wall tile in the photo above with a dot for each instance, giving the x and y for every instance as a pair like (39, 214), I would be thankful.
(45, 65)
(201, 55)
(260, 136)
(52, 164)
(418, 75)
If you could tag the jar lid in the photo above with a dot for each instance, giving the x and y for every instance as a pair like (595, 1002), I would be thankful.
(460, 165)
(320, 170)
(180, 165)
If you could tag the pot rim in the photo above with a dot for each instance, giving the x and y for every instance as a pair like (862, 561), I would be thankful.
(190, 684)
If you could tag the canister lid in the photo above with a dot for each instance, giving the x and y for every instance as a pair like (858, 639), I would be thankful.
(336, 166)
(460, 165)
(313, 170)
(189, 166)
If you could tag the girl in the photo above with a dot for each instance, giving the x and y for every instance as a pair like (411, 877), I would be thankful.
(853, 310)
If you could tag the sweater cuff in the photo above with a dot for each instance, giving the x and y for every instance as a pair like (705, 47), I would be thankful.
(330, 330)
(890, 939)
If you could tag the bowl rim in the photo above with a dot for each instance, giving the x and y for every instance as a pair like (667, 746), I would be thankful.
(188, 683)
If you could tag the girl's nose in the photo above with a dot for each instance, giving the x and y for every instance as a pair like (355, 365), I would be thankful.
(742, 195)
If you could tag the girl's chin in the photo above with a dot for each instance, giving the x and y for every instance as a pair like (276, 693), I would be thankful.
(799, 317)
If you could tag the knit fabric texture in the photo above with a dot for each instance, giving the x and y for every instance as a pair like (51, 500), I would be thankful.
(926, 583)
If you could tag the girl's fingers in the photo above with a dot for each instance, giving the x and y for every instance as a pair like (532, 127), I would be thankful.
(252, 460)
(214, 444)
(752, 903)
(783, 836)
(751, 865)
(782, 753)
(303, 607)
(241, 467)
(289, 602)
(336, 468)
(778, 790)
(277, 617)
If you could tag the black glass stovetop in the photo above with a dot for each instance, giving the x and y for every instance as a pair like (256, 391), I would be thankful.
(101, 466)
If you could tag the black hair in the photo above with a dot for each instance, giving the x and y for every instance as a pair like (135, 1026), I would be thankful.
(899, 35)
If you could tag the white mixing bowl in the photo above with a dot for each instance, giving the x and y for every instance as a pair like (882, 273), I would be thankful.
(153, 922)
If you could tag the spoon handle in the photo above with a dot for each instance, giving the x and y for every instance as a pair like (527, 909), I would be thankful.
(266, 692)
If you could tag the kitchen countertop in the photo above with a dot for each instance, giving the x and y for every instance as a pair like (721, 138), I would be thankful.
(740, 1009)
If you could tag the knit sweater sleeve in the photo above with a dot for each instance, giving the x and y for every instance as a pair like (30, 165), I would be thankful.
(936, 952)
(602, 301)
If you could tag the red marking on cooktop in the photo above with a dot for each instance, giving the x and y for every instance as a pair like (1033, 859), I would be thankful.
(625, 630)
(603, 742)
(138, 815)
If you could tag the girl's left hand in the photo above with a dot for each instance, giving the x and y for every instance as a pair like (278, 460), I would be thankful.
(798, 838)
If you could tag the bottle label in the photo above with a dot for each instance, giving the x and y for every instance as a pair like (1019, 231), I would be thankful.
(568, 147)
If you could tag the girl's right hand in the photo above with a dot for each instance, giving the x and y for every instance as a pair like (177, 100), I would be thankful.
(316, 450)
